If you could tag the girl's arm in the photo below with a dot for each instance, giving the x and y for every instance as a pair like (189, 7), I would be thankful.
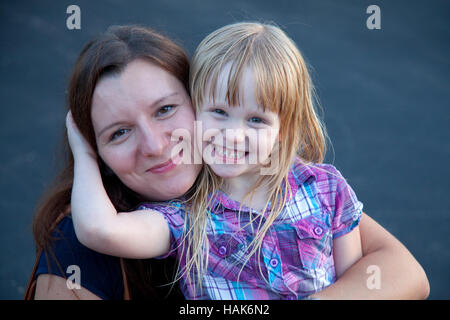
(136, 235)
(401, 276)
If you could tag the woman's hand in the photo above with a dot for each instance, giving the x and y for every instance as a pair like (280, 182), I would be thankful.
(401, 276)
(77, 142)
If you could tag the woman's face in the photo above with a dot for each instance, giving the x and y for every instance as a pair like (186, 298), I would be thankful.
(134, 114)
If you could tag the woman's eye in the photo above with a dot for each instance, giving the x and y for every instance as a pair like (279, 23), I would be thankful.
(117, 134)
(165, 110)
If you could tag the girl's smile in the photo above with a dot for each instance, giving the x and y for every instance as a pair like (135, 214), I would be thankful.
(228, 155)
(238, 139)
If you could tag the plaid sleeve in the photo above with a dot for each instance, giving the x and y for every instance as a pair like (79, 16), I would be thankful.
(340, 199)
(347, 208)
(173, 212)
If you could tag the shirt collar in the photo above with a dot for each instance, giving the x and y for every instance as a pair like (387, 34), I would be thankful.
(302, 172)
(298, 174)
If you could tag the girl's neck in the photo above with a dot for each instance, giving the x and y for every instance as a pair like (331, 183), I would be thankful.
(238, 188)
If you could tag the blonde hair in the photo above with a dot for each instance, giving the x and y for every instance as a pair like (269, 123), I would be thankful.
(283, 86)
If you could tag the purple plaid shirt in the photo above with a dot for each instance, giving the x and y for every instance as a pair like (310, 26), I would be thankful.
(296, 254)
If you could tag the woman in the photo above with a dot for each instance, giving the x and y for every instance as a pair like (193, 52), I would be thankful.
(142, 107)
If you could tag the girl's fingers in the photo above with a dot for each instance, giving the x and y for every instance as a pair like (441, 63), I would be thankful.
(70, 124)
(77, 142)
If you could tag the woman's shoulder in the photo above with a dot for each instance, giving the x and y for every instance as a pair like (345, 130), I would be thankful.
(99, 273)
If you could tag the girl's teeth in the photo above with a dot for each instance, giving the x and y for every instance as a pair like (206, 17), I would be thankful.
(230, 154)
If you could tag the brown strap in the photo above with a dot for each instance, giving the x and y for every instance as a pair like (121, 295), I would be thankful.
(126, 289)
(31, 286)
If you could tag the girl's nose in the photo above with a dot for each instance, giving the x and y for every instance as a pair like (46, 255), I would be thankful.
(234, 134)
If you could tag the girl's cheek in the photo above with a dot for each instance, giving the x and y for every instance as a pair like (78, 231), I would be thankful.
(208, 129)
(266, 144)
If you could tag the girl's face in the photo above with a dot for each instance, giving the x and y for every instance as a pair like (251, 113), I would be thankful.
(134, 114)
(237, 140)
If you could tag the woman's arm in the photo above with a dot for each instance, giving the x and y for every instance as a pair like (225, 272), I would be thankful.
(136, 235)
(401, 276)
(346, 251)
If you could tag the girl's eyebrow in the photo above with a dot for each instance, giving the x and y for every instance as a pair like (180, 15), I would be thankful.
(217, 105)
(152, 105)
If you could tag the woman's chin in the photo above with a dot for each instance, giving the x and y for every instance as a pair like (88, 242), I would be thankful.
(169, 188)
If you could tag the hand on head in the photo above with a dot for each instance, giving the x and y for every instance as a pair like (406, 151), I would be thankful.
(77, 142)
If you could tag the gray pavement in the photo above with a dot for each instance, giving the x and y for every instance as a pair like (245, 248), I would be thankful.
(385, 95)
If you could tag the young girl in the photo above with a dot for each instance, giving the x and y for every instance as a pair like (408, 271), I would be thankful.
(266, 220)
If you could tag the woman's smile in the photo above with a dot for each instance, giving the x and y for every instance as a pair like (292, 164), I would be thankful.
(148, 103)
(167, 166)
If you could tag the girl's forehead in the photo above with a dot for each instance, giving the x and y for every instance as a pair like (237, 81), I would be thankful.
(228, 86)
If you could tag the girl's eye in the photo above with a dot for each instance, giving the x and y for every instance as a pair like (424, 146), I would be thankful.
(220, 112)
(165, 110)
(117, 134)
(256, 120)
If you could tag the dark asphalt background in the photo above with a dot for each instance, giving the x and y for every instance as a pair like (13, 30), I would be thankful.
(385, 95)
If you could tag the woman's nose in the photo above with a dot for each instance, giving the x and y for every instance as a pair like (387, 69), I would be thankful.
(152, 142)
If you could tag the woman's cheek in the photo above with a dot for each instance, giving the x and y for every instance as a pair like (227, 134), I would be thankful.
(119, 159)
(184, 118)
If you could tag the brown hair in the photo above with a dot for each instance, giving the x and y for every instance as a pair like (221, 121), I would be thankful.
(109, 53)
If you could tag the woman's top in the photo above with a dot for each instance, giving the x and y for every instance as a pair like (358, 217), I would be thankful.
(100, 274)
(296, 254)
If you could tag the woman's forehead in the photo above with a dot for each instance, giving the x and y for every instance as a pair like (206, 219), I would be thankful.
(140, 83)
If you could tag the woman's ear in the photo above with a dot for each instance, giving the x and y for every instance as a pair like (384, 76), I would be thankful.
(109, 172)
(105, 170)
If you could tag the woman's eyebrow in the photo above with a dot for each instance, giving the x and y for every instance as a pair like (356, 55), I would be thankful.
(108, 127)
(155, 103)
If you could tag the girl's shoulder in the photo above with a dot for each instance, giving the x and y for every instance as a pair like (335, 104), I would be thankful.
(334, 193)
(323, 174)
